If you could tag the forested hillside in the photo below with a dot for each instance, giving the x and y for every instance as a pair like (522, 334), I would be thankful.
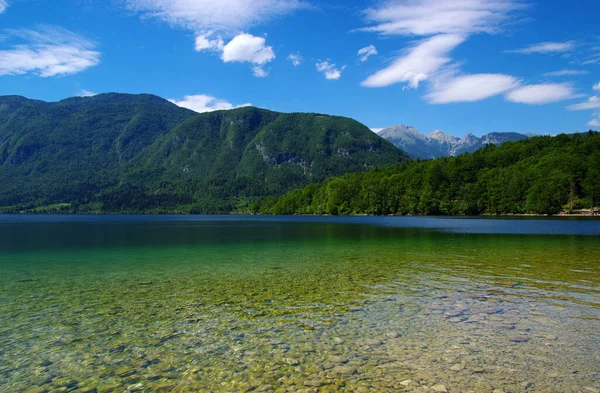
(141, 153)
(542, 175)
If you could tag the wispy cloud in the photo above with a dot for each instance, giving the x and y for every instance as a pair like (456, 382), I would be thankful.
(366, 52)
(446, 25)
(3, 6)
(566, 73)
(431, 17)
(295, 58)
(470, 88)
(210, 16)
(330, 70)
(542, 94)
(592, 103)
(47, 51)
(418, 63)
(204, 103)
(546, 48)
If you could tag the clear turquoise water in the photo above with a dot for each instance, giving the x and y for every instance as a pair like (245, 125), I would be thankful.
(228, 304)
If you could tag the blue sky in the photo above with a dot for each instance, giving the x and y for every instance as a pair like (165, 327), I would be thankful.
(461, 66)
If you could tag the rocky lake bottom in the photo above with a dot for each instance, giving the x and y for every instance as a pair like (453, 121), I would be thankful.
(284, 305)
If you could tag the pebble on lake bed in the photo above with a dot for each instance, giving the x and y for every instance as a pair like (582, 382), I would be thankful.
(136, 388)
(519, 339)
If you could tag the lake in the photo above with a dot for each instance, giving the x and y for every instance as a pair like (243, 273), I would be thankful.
(298, 304)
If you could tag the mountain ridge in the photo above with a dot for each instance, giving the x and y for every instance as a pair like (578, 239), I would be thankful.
(140, 153)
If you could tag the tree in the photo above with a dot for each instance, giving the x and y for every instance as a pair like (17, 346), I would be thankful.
(591, 187)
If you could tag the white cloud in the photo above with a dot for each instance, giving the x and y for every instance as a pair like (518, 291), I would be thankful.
(295, 58)
(432, 17)
(217, 16)
(205, 42)
(3, 6)
(246, 48)
(470, 88)
(214, 21)
(546, 48)
(593, 60)
(419, 62)
(86, 93)
(330, 70)
(542, 93)
(596, 86)
(204, 103)
(592, 103)
(47, 51)
(566, 73)
(594, 123)
(367, 52)
(259, 72)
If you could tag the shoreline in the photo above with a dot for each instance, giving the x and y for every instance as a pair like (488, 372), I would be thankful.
(566, 215)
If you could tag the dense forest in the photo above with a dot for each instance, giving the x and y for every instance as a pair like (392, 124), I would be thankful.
(542, 175)
(120, 153)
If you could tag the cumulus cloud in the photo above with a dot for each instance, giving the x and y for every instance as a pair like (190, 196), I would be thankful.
(470, 88)
(3, 6)
(418, 63)
(295, 58)
(214, 22)
(330, 70)
(204, 103)
(46, 51)
(541, 94)
(592, 103)
(366, 52)
(546, 48)
(246, 48)
(431, 17)
(566, 73)
(86, 93)
(596, 86)
(594, 122)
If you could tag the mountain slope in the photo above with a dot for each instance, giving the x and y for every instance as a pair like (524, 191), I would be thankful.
(117, 152)
(438, 144)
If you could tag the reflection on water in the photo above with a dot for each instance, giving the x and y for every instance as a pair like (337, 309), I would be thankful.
(234, 304)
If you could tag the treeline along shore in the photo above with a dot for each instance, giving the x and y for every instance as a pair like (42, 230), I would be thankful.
(542, 175)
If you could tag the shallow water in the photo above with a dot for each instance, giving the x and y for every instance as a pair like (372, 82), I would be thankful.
(230, 304)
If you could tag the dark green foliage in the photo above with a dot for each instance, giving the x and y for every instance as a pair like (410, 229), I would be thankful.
(126, 153)
(543, 175)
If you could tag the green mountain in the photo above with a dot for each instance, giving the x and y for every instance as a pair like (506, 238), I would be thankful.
(141, 153)
(542, 175)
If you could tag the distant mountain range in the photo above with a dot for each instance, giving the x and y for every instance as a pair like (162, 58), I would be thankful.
(438, 144)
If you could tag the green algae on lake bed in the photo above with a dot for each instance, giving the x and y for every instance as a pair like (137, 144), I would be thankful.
(158, 305)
